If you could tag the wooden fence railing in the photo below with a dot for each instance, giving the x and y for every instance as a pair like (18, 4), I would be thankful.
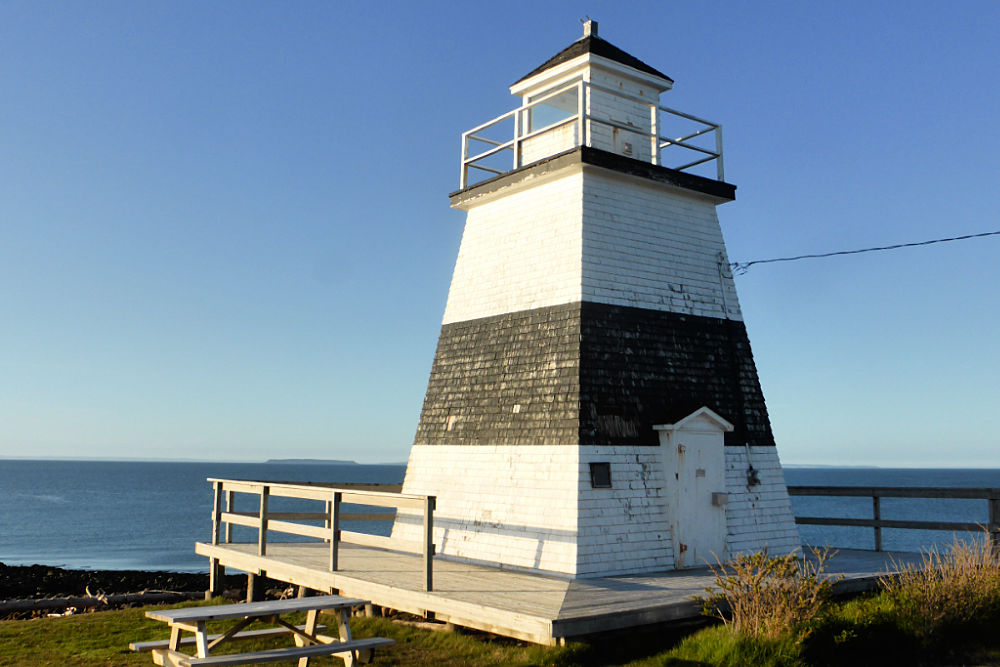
(333, 496)
(877, 523)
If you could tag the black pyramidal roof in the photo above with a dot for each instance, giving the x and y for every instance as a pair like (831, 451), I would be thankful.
(597, 46)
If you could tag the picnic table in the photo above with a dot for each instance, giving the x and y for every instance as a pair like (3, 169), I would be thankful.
(309, 643)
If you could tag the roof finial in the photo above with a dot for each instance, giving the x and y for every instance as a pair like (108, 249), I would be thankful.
(589, 27)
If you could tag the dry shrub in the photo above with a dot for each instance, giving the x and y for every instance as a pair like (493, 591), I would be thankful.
(960, 586)
(765, 597)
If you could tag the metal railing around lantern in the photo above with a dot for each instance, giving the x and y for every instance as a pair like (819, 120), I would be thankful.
(678, 152)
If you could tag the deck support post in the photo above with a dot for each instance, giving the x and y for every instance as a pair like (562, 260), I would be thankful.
(334, 521)
(254, 592)
(429, 503)
(265, 492)
(216, 510)
(216, 573)
(215, 569)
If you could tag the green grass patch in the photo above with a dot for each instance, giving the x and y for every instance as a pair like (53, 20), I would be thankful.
(102, 638)
(945, 614)
(721, 646)
(87, 639)
(942, 612)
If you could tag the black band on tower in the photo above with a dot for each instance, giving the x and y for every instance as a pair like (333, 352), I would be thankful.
(588, 374)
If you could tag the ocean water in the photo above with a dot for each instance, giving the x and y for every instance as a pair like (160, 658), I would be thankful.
(148, 515)
(118, 515)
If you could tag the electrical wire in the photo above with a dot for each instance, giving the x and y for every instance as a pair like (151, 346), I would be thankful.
(743, 267)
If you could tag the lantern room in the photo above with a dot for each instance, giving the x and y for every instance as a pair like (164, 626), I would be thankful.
(590, 94)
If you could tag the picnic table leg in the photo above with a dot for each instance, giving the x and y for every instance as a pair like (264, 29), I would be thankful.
(168, 657)
(311, 617)
(175, 638)
(344, 629)
(201, 639)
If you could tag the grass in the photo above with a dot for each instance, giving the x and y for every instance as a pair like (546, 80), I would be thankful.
(87, 639)
(959, 588)
(718, 645)
(102, 639)
(943, 613)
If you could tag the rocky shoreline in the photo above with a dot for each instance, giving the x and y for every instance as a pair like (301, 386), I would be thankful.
(44, 581)
(43, 587)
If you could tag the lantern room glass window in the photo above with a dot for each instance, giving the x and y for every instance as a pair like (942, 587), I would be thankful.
(553, 110)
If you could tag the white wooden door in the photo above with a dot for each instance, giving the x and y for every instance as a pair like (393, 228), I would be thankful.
(694, 464)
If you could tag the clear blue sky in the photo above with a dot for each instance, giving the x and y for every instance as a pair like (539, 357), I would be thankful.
(225, 233)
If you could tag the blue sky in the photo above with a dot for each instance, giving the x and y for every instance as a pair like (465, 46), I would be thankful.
(225, 233)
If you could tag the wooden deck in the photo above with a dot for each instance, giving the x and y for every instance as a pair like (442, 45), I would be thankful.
(533, 607)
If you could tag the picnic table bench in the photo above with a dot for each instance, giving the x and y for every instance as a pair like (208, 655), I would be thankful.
(309, 643)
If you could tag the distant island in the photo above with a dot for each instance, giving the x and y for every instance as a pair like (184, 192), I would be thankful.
(826, 465)
(332, 462)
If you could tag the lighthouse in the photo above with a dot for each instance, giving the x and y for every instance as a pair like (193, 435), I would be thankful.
(593, 407)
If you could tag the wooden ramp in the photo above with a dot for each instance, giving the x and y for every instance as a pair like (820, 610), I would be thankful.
(537, 608)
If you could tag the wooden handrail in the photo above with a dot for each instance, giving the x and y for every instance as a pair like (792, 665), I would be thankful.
(895, 491)
(877, 523)
(354, 486)
(333, 495)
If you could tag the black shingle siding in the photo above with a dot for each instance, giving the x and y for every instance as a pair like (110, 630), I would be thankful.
(588, 373)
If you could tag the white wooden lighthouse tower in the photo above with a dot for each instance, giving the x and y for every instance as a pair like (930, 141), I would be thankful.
(593, 406)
